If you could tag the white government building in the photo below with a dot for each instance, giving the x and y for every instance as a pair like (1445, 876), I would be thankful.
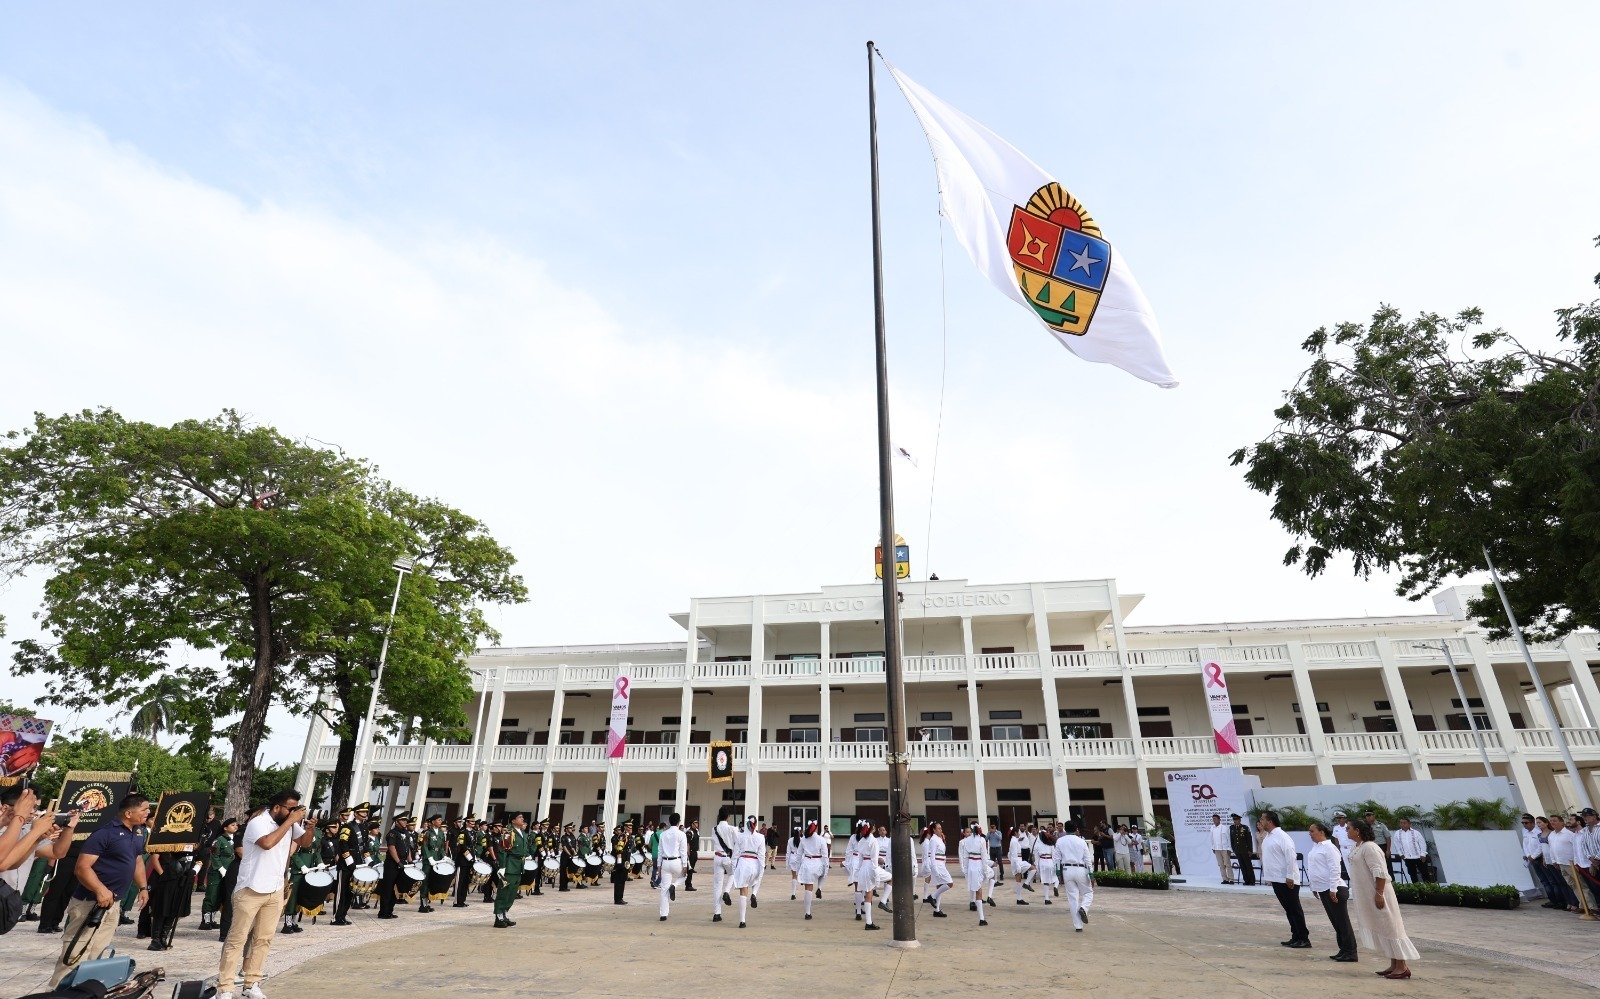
(1024, 699)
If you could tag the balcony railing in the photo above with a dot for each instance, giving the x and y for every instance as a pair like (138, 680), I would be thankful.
(1275, 745)
(1097, 749)
(577, 754)
(1428, 650)
(935, 665)
(857, 752)
(1182, 745)
(1163, 657)
(722, 671)
(789, 752)
(1508, 648)
(866, 666)
(1456, 741)
(783, 669)
(1360, 651)
(511, 756)
(531, 676)
(1006, 662)
(954, 750)
(1255, 653)
(1000, 750)
(650, 752)
(1083, 660)
(1366, 742)
(657, 672)
(1543, 738)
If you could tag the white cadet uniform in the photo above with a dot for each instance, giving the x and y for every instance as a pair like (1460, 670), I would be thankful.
(1044, 855)
(749, 859)
(673, 854)
(936, 862)
(813, 854)
(724, 844)
(975, 862)
(852, 860)
(1019, 867)
(1077, 859)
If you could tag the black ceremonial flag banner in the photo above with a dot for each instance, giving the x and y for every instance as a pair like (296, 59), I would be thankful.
(180, 822)
(719, 762)
(95, 795)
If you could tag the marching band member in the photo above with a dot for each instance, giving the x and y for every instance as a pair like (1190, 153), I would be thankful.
(791, 857)
(747, 866)
(813, 852)
(352, 852)
(1021, 850)
(568, 845)
(674, 852)
(723, 839)
(1076, 862)
(619, 862)
(462, 853)
(975, 865)
(869, 872)
(300, 860)
(435, 846)
(222, 859)
(939, 874)
(512, 853)
(1044, 855)
(397, 849)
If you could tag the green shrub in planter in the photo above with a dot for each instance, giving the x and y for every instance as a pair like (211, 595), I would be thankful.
(1126, 879)
(1494, 897)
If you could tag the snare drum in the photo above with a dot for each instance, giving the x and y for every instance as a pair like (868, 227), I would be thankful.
(414, 872)
(480, 873)
(636, 858)
(319, 878)
(593, 860)
(363, 880)
(444, 867)
(552, 865)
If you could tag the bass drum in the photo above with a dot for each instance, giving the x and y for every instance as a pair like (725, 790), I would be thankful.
(480, 873)
(636, 858)
(593, 861)
(552, 865)
(444, 866)
(440, 875)
(363, 881)
(315, 889)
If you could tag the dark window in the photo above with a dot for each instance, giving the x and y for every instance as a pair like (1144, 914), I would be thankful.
(736, 794)
(872, 794)
(497, 794)
(1013, 794)
(1086, 730)
(1005, 732)
(804, 719)
(667, 794)
(866, 735)
(1300, 725)
(672, 720)
(1380, 723)
(802, 735)
(1322, 706)
(737, 735)
(1244, 726)
(938, 716)
(999, 650)
(568, 722)
(738, 719)
(1381, 705)
(1458, 722)
(941, 794)
(509, 723)
(622, 794)
(1078, 713)
(1155, 729)
(1158, 794)
(516, 737)
(1241, 709)
(868, 716)
(1066, 648)
(1154, 712)
(558, 794)
(1086, 794)
(1425, 723)
(571, 738)
(440, 792)
(1473, 702)
(805, 795)
(731, 659)
(1005, 716)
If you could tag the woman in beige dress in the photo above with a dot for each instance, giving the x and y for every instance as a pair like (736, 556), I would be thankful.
(1373, 905)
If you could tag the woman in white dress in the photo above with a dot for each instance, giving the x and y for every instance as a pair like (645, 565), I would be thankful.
(791, 858)
(750, 850)
(975, 865)
(1044, 854)
(938, 873)
(813, 852)
(1374, 908)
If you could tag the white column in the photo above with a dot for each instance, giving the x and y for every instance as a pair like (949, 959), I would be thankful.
(305, 779)
(558, 703)
(1052, 703)
(1395, 689)
(686, 711)
(1130, 701)
(1310, 717)
(758, 654)
(613, 789)
(491, 738)
(417, 803)
(979, 783)
(1582, 679)
(825, 769)
(1487, 681)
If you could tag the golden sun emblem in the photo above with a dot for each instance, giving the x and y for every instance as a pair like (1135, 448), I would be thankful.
(180, 819)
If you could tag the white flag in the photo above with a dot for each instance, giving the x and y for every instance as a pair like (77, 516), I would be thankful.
(1037, 243)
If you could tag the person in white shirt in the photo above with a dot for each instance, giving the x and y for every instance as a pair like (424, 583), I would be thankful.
(975, 865)
(748, 864)
(1561, 843)
(1222, 848)
(1281, 870)
(1121, 852)
(885, 872)
(1077, 860)
(869, 872)
(814, 859)
(1341, 835)
(1407, 844)
(1322, 875)
(791, 858)
(258, 893)
(1021, 866)
(1044, 858)
(672, 855)
(852, 860)
(723, 838)
(939, 873)
(1530, 848)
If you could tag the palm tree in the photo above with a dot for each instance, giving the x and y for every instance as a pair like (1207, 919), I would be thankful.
(154, 709)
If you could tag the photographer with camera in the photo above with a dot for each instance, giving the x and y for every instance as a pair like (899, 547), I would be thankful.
(30, 835)
(108, 863)
(258, 895)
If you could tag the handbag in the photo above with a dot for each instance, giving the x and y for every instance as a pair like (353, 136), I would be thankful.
(10, 907)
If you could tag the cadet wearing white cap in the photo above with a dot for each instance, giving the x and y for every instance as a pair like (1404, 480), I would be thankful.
(869, 872)
(750, 848)
(1076, 862)
(724, 841)
(975, 865)
(673, 852)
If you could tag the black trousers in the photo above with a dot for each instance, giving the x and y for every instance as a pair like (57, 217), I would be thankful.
(346, 895)
(1337, 905)
(565, 864)
(1416, 869)
(1247, 867)
(1289, 898)
(688, 874)
(463, 878)
(387, 886)
(619, 881)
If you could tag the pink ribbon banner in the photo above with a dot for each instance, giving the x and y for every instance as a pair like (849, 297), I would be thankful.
(1217, 700)
(617, 734)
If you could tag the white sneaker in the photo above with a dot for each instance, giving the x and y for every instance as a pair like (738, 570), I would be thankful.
(224, 995)
(253, 992)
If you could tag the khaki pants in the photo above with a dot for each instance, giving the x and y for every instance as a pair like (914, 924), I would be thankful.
(255, 919)
(90, 944)
(1224, 863)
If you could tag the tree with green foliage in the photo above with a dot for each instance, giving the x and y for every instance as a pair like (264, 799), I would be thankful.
(1413, 445)
(210, 535)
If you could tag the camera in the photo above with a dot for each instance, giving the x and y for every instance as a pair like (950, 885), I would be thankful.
(62, 818)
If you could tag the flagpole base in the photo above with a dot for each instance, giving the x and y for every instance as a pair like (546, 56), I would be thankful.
(905, 944)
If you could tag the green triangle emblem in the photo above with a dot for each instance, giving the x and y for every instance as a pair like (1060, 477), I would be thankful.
(1071, 302)
(1044, 294)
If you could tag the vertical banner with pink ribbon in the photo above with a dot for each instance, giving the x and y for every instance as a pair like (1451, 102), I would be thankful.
(1216, 689)
(617, 734)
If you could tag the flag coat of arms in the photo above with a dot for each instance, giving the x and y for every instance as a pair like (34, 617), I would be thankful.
(1037, 243)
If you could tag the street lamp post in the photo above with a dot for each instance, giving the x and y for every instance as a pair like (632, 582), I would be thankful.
(1472, 723)
(477, 740)
(402, 565)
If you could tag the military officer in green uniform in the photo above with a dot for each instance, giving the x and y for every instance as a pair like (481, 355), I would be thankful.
(33, 891)
(434, 844)
(514, 852)
(221, 859)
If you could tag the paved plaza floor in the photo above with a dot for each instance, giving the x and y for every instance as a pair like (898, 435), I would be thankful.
(1138, 944)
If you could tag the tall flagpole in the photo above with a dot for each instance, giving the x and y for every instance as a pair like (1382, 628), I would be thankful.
(905, 914)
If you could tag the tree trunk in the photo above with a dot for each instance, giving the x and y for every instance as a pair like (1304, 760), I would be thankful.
(241, 773)
(343, 773)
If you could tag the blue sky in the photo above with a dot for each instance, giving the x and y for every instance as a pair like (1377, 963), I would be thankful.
(599, 274)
